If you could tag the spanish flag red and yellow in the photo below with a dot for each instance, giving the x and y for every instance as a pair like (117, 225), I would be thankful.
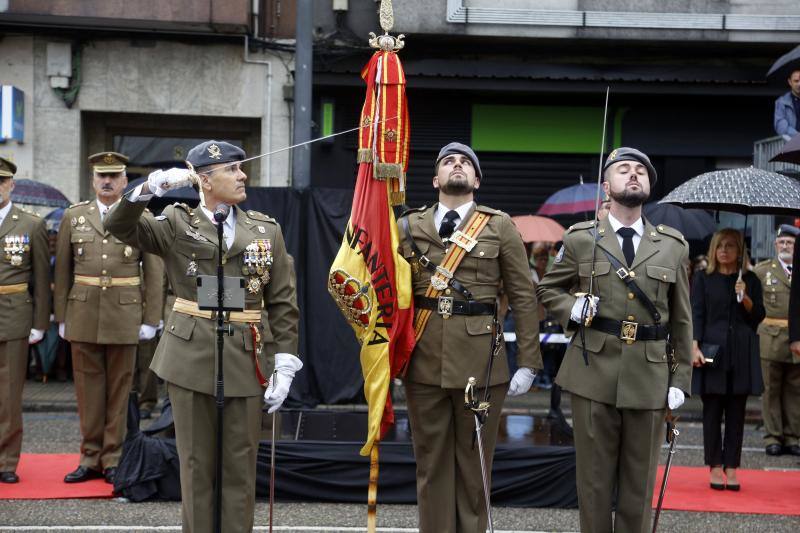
(369, 280)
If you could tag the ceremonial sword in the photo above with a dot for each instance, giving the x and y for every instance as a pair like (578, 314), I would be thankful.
(672, 436)
(480, 410)
(272, 456)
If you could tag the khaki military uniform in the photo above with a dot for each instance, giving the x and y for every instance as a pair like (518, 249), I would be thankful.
(781, 371)
(101, 288)
(145, 380)
(186, 355)
(450, 351)
(24, 304)
(619, 399)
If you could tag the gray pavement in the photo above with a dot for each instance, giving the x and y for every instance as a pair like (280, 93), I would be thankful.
(51, 426)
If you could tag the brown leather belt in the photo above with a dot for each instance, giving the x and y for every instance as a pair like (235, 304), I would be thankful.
(107, 281)
(188, 307)
(780, 322)
(13, 289)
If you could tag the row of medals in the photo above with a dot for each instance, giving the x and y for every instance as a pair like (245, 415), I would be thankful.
(15, 246)
(257, 263)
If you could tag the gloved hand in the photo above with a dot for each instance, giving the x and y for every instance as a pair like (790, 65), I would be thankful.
(160, 327)
(521, 381)
(35, 336)
(675, 398)
(286, 365)
(147, 332)
(577, 308)
(61, 330)
(162, 181)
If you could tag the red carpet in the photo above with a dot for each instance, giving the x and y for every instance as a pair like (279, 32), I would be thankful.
(762, 492)
(41, 477)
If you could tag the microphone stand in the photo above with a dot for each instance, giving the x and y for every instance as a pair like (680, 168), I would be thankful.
(220, 385)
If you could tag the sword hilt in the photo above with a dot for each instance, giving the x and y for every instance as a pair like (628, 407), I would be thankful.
(471, 402)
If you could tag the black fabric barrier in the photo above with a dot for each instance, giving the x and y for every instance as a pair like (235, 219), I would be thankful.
(326, 471)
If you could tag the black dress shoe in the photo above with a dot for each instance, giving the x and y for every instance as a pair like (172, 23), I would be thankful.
(81, 474)
(794, 449)
(774, 449)
(9, 477)
(110, 474)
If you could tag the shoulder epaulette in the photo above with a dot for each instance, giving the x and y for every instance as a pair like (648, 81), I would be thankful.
(85, 202)
(31, 212)
(580, 225)
(763, 264)
(484, 209)
(413, 210)
(672, 232)
(260, 216)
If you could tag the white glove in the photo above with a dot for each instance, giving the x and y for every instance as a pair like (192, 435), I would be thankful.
(147, 332)
(61, 330)
(35, 336)
(162, 181)
(675, 398)
(521, 381)
(281, 381)
(577, 308)
(160, 327)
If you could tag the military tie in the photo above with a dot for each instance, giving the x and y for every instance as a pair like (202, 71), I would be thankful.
(789, 271)
(448, 224)
(627, 244)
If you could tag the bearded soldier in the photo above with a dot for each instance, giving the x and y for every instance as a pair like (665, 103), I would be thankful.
(455, 343)
(620, 367)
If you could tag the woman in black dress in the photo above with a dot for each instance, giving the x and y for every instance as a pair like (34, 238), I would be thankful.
(726, 310)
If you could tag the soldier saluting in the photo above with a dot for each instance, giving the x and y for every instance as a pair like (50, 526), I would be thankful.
(253, 246)
(100, 307)
(24, 314)
(619, 368)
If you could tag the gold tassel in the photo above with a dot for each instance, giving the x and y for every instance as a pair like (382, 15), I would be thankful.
(364, 155)
(388, 170)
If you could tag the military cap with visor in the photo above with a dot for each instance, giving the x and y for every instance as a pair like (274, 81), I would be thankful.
(463, 149)
(108, 162)
(7, 168)
(787, 230)
(212, 153)
(624, 153)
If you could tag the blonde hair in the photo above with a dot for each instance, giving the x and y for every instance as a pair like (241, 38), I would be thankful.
(741, 249)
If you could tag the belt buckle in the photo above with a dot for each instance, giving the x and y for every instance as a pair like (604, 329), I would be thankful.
(106, 281)
(445, 306)
(622, 273)
(628, 331)
(441, 278)
(462, 240)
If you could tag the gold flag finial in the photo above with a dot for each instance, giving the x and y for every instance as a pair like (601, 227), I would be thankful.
(386, 15)
(386, 42)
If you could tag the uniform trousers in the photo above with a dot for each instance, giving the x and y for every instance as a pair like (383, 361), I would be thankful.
(196, 438)
(103, 380)
(781, 402)
(13, 363)
(449, 483)
(727, 450)
(616, 448)
(146, 381)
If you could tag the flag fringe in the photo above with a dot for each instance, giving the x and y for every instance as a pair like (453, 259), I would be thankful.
(388, 170)
(364, 155)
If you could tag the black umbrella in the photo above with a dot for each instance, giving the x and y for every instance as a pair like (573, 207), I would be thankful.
(694, 224)
(790, 152)
(37, 193)
(740, 190)
(784, 66)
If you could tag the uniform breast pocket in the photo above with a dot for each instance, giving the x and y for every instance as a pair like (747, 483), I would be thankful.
(602, 277)
(82, 245)
(200, 253)
(661, 278)
(483, 258)
(129, 253)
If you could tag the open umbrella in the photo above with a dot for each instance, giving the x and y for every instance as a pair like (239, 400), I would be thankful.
(740, 190)
(571, 200)
(784, 66)
(534, 228)
(37, 193)
(694, 224)
(790, 152)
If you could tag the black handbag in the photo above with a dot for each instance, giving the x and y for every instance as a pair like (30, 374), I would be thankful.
(710, 351)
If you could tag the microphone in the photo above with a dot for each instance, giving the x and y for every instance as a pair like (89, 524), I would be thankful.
(221, 212)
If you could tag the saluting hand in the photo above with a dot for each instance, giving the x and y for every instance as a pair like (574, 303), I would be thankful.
(162, 181)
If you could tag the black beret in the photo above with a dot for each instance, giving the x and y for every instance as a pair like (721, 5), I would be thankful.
(624, 153)
(213, 152)
(463, 149)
